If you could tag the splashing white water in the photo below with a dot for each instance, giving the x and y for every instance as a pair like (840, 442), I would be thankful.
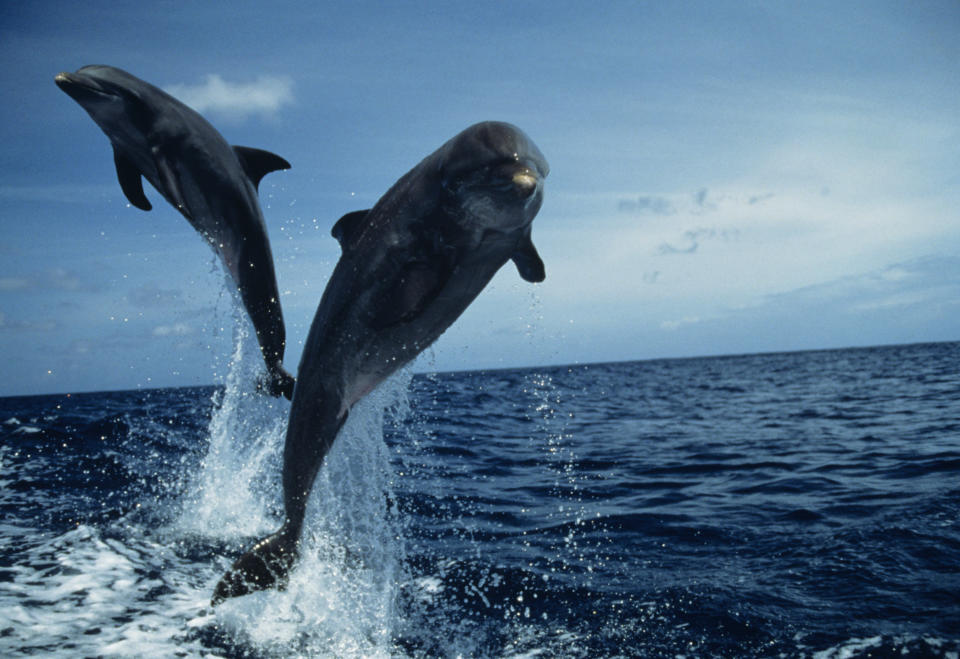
(138, 587)
(341, 596)
(237, 491)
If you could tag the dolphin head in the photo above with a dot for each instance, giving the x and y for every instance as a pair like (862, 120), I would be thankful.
(113, 98)
(495, 173)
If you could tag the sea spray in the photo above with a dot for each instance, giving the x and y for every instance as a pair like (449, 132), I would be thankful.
(237, 490)
(340, 599)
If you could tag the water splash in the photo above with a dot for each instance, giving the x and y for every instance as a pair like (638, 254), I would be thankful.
(341, 599)
(237, 490)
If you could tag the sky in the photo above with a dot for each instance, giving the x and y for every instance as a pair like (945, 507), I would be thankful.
(726, 177)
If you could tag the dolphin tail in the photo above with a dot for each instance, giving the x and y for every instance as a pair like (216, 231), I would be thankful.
(266, 565)
(277, 382)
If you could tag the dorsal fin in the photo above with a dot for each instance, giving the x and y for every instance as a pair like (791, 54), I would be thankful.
(528, 262)
(348, 227)
(257, 163)
(130, 182)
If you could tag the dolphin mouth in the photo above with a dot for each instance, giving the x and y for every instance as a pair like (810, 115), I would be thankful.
(65, 80)
(525, 182)
(78, 85)
(520, 177)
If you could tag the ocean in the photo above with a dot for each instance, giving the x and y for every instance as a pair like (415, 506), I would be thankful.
(773, 505)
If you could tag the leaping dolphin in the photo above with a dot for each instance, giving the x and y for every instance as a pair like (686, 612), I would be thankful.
(410, 266)
(211, 183)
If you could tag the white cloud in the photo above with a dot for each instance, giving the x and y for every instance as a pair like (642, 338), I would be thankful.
(265, 95)
(674, 324)
(54, 279)
(13, 283)
(63, 192)
(177, 329)
(26, 325)
(150, 296)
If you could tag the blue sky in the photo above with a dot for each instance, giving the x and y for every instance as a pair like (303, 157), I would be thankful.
(727, 177)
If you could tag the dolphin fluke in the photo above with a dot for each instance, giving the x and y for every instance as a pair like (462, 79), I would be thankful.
(277, 382)
(266, 565)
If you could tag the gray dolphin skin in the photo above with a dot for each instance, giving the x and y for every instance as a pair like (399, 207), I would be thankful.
(410, 266)
(212, 184)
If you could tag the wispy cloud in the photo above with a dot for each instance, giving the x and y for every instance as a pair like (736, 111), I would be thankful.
(56, 279)
(702, 202)
(26, 325)
(760, 198)
(694, 238)
(671, 325)
(264, 96)
(63, 192)
(176, 329)
(929, 281)
(698, 203)
(646, 204)
(151, 297)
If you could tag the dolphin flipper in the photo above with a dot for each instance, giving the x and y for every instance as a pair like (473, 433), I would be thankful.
(278, 382)
(528, 261)
(266, 565)
(418, 284)
(130, 181)
(171, 183)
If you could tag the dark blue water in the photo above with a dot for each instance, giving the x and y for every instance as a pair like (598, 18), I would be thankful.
(782, 505)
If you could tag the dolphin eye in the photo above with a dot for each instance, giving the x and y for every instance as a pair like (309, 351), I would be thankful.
(451, 183)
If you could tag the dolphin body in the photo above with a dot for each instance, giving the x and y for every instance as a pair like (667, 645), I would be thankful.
(211, 183)
(410, 266)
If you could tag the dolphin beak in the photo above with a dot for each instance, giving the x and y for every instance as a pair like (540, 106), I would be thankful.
(74, 86)
(80, 87)
(62, 79)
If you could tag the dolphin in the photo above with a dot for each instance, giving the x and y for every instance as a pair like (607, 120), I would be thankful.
(212, 184)
(409, 267)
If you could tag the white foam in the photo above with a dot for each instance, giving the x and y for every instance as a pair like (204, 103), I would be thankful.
(237, 491)
(79, 594)
(342, 594)
(132, 589)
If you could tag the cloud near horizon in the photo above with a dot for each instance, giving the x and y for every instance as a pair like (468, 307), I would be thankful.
(695, 237)
(264, 96)
(53, 279)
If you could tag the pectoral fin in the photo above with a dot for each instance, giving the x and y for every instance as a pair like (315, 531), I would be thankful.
(528, 262)
(130, 181)
(418, 284)
(169, 182)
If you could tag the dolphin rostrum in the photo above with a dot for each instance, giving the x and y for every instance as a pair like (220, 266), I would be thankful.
(410, 266)
(211, 183)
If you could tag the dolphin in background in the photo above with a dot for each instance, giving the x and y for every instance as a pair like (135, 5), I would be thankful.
(410, 266)
(212, 184)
